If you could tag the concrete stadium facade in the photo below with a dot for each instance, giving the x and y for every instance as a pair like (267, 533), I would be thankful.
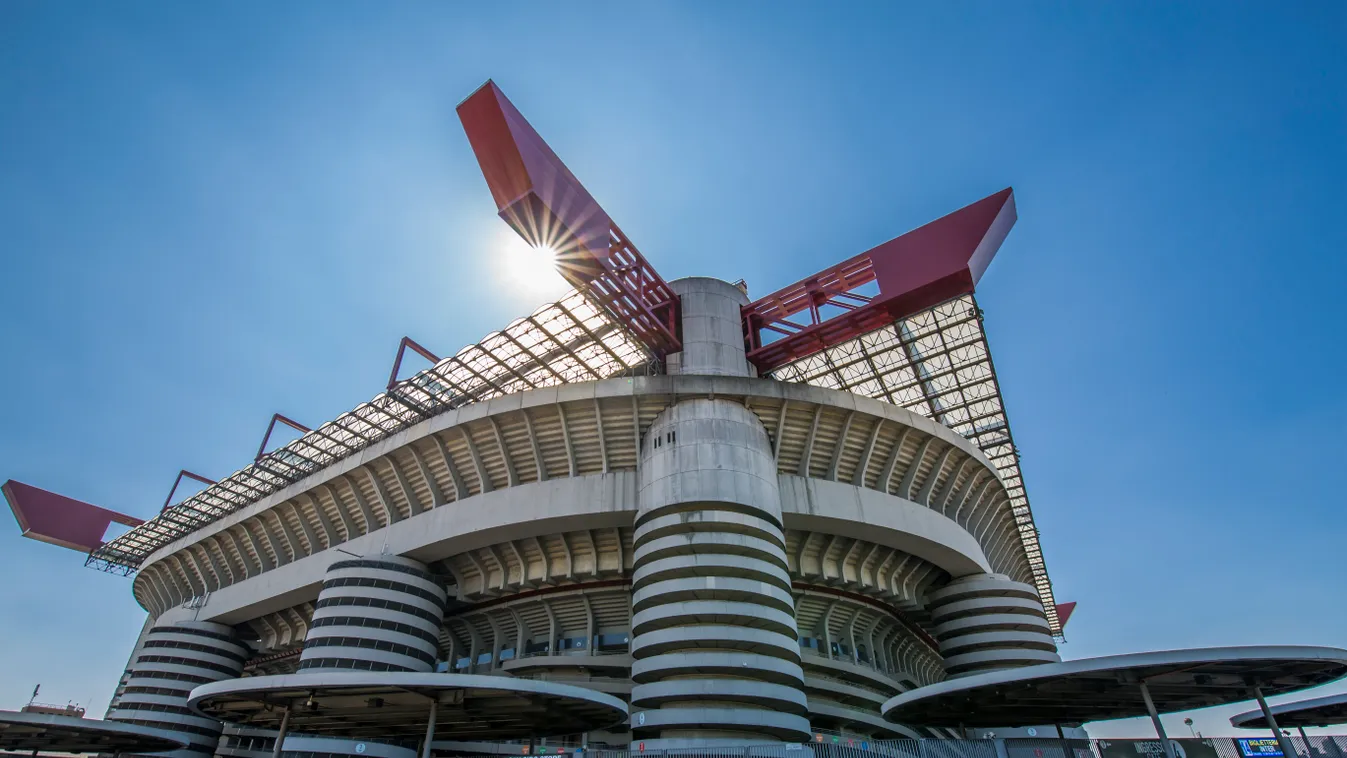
(739, 558)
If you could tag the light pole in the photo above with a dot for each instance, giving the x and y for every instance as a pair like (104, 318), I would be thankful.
(1189, 723)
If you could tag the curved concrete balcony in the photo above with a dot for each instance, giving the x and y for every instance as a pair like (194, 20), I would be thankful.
(843, 692)
(717, 664)
(712, 588)
(872, 722)
(988, 622)
(787, 699)
(847, 670)
(712, 637)
(493, 453)
(737, 566)
(611, 664)
(681, 519)
(746, 614)
(705, 722)
(983, 660)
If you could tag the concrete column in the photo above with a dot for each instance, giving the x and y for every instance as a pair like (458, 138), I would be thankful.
(374, 613)
(713, 332)
(430, 727)
(281, 733)
(171, 661)
(716, 659)
(987, 622)
(382, 599)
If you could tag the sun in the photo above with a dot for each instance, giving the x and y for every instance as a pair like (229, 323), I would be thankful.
(530, 270)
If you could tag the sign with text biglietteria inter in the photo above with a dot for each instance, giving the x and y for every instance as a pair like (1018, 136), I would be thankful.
(1259, 747)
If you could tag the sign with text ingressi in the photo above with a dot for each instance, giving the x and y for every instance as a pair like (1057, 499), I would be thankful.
(1184, 747)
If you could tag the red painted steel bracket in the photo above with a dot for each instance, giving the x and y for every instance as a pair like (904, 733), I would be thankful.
(60, 520)
(923, 268)
(1064, 611)
(543, 201)
(262, 448)
(408, 342)
(177, 481)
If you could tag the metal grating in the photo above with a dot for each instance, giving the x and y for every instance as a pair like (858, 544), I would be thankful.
(936, 363)
(567, 341)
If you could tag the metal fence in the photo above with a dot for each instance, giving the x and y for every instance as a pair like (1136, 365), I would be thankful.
(842, 746)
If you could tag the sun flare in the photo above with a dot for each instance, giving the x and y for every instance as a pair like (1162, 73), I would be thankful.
(533, 270)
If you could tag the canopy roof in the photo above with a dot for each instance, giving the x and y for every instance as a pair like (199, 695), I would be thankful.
(567, 341)
(1319, 711)
(936, 363)
(1098, 689)
(395, 706)
(46, 732)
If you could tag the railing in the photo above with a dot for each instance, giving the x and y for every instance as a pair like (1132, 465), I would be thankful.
(841, 745)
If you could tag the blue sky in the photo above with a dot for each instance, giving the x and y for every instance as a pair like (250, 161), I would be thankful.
(209, 217)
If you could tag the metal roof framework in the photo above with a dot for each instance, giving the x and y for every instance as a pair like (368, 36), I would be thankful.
(467, 706)
(571, 340)
(936, 363)
(1319, 711)
(58, 733)
(1109, 687)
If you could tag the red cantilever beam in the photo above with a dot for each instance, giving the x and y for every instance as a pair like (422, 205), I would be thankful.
(1064, 611)
(60, 520)
(920, 269)
(543, 201)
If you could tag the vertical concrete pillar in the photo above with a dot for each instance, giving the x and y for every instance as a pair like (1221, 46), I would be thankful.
(987, 622)
(171, 661)
(374, 613)
(713, 332)
(716, 657)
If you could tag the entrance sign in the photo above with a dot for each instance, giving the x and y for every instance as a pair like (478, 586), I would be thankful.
(1259, 747)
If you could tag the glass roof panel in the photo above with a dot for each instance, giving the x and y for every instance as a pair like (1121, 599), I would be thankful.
(566, 341)
(936, 363)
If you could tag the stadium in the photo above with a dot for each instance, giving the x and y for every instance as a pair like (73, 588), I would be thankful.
(749, 520)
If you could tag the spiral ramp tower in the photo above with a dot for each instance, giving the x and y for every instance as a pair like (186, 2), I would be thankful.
(375, 613)
(715, 647)
(990, 622)
(170, 661)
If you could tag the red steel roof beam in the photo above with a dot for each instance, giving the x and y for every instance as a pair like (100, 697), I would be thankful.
(184, 472)
(923, 268)
(546, 205)
(60, 520)
(262, 448)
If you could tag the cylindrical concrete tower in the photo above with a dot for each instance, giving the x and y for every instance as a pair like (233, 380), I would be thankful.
(378, 613)
(374, 613)
(987, 622)
(713, 332)
(716, 658)
(171, 662)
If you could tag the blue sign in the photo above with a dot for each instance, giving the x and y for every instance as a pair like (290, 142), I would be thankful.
(1260, 747)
